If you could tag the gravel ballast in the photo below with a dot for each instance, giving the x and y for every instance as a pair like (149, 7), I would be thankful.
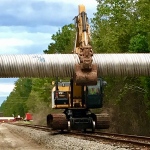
(60, 142)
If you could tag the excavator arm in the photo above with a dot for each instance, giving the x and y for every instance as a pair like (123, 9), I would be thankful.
(85, 72)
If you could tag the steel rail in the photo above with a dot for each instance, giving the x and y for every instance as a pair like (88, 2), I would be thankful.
(125, 136)
(118, 138)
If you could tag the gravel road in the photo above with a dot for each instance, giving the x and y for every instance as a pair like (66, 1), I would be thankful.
(21, 138)
(10, 140)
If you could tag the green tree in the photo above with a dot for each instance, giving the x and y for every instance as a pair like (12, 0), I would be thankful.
(122, 26)
(139, 44)
(16, 101)
(141, 15)
(63, 40)
(112, 26)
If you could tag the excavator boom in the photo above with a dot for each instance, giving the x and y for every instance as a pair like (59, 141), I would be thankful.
(85, 72)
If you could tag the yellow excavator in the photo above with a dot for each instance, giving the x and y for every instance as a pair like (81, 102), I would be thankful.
(83, 92)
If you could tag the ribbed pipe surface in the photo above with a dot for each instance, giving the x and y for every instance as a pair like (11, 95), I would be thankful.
(62, 65)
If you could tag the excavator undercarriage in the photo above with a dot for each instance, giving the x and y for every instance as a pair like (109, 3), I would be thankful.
(77, 120)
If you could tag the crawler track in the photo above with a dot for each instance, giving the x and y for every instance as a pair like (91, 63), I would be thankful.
(131, 140)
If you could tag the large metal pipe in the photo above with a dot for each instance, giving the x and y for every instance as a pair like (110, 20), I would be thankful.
(62, 65)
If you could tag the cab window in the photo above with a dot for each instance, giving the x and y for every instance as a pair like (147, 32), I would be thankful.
(93, 90)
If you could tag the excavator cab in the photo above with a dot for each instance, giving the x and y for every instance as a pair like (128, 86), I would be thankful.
(94, 95)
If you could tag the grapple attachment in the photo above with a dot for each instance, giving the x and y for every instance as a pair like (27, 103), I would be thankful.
(85, 77)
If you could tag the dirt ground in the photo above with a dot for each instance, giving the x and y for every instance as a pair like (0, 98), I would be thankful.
(11, 141)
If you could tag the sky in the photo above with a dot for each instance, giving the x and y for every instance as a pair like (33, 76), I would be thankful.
(26, 27)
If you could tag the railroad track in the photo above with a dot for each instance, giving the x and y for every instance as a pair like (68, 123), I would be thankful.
(131, 140)
(38, 127)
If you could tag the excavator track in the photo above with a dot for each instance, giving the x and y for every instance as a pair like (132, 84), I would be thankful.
(102, 121)
(57, 121)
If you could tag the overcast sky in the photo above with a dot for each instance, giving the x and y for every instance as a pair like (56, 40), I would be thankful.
(26, 27)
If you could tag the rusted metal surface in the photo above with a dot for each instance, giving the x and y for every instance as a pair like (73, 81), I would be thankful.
(85, 57)
(102, 121)
(85, 71)
(85, 77)
(62, 65)
(57, 121)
